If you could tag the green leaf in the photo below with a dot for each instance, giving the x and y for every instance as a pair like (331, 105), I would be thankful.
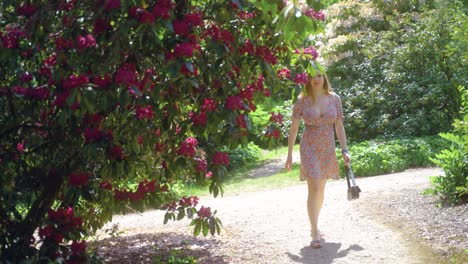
(197, 229)
(206, 228)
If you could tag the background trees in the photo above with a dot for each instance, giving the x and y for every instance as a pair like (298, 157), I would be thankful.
(398, 64)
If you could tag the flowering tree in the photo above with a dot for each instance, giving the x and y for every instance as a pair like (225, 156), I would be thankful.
(106, 104)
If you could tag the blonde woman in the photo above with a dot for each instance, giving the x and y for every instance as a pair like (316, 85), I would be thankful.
(321, 110)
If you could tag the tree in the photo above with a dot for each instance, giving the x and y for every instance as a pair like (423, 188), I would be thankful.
(397, 64)
(105, 104)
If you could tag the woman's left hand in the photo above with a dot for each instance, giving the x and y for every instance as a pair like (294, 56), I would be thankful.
(346, 159)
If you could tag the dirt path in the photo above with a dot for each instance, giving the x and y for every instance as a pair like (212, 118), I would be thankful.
(272, 227)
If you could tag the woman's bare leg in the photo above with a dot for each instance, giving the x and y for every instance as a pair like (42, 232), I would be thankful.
(316, 187)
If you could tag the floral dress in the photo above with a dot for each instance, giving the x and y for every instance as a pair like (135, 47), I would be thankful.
(317, 148)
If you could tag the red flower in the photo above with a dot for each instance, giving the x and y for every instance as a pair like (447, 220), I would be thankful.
(191, 201)
(221, 158)
(146, 17)
(301, 78)
(183, 50)
(140, 139)
(181, 27)
(227, 37)
(204, 212)
(26, 10)
(78, 248)
(101, 25)
(126, 75)
(102, 81)
(247, 47)
(284, 73)
(62, 43)
(209, 175)
(144, 112)
(116, 153)
(194, 19)
(78, 179)
(111, 5)
(266, 54)
(276, 118)
(26, 77)
(198, 119)
(105, 185)
(240, 120)
(234, 103)
(208, 105)
(201, 165)
(162, 9)
(187, 148)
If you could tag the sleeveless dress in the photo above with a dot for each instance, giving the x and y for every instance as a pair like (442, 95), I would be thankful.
(317, 148)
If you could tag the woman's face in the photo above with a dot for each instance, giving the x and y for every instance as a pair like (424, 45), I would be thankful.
(317, 80)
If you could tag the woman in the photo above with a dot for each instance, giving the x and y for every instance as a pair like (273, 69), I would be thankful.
(321, 110)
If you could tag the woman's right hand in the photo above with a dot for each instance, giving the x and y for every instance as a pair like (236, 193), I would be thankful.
(288, 164)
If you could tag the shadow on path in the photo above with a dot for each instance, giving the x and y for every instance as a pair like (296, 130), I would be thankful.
(146, 247)
(325, 255)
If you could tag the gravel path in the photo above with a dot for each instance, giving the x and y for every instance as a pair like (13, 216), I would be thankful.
(390, 223)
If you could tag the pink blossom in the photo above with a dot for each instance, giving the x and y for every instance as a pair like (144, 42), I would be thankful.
(62, 43)
(183, 50)
(204, 212)
(187, 148)
(198, 119)
(106, 185)
(201, 165)
(116, 153)
(26, 10)
(20, 147)
(146, 17)
(111, 5)
(100, 26)
(301, 78)
(208, 105)
(319, 15)
(221, 158)
(126, 75)
(78, 248)
(194, 19)
(162, 9)
(144, 112)
(209, 175)
(227, 36)
(78, 179)
(284, 73)
(276, 118)
(181, 27)
(26, 77)
(191, 201)
(266, 54)
(102, 81)
(240, 120)
(234, 103)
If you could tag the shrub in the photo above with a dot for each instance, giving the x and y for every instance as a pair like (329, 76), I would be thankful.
(453, 186)
(376, 157)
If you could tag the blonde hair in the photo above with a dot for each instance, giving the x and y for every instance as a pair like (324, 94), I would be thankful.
(307, 91)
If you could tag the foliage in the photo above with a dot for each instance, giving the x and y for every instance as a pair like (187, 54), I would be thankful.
(106, 105)
(242, 156)
(397, 65)
(453, 186)
(376, 157)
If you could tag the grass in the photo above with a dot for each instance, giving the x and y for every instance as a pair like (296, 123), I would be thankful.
(239, 181)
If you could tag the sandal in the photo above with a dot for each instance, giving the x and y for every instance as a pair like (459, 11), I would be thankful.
(315, 243)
